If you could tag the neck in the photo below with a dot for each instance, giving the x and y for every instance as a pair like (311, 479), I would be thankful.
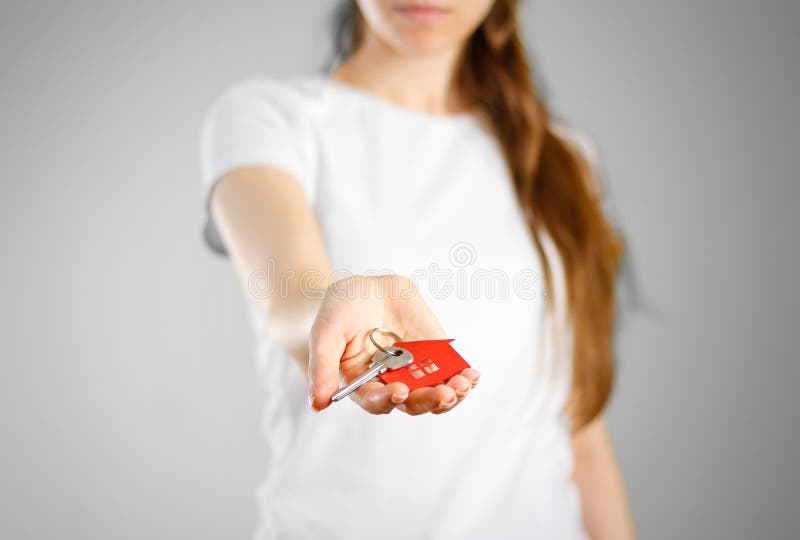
(424, 83)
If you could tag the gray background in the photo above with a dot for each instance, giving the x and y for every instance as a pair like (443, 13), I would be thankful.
(128, 403)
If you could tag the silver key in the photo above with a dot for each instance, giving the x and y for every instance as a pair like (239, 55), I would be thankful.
(395, 359)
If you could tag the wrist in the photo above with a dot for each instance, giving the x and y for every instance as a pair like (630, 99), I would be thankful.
(384, 287)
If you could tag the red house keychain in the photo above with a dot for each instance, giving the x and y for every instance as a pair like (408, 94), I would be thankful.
(414, 363)
(435, 361)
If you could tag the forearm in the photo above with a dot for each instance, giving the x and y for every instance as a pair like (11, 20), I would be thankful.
(276, 247)
(605, 506)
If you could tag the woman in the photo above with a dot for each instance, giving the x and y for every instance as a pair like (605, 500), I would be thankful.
(410, 189)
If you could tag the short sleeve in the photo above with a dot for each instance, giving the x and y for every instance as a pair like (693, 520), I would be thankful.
(256, 122)
(631, 290)
(587, 147)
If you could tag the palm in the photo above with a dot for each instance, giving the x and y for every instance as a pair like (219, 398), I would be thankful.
(343, 325)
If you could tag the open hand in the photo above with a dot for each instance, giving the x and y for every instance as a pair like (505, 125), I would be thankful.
(340, 348)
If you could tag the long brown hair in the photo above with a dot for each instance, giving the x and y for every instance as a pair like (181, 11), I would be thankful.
(555, 186)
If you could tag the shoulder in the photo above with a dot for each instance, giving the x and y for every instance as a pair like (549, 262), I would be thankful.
(584, 145)
(578, 139)
(286, 99)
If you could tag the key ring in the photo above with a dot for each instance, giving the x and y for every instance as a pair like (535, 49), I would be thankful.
(385, 332)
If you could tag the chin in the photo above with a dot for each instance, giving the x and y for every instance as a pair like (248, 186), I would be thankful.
(422, 41)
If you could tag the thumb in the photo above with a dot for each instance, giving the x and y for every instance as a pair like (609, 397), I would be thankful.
(325, 349)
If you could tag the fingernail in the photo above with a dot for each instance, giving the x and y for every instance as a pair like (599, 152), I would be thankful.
(399, 398)
(448, 404)
(311, 396)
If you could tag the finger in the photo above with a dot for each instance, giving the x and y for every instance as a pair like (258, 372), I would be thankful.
(325, 350)
(460, 384)
(429, 399)
(378, 398)
(473, 375)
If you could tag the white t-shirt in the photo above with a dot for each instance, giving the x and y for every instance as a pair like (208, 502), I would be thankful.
(430, 197)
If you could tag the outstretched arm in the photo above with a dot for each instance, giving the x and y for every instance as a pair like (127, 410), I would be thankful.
(266, 222)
